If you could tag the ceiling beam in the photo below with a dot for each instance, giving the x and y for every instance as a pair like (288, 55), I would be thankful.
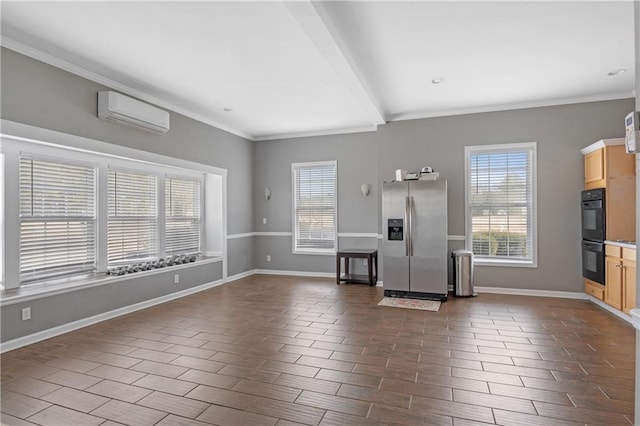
(317, 25)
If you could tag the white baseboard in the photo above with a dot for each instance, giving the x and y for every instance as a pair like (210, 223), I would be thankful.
(65, 328)
(614, 311)
(528, 292)
(241, 275)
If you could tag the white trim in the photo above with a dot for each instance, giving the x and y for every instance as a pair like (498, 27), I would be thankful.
(601, 144)
(288, 234)
(95, 77)
(273, 234)
(295, 273)
(244, 235)
(504, 263)
(456, 237)
(312, 133)
(530, 292)
(612, 310)
(532, 147)
(65, 328)
(46, 137)
(509, 107)
(240, 275)
(380, 236)
(294, 217)
(35, 292)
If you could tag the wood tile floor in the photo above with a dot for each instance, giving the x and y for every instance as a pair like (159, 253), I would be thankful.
(270, 350)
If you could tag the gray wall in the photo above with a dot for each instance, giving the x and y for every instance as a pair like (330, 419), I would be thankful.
(40, 95)
(357, 159)
(64, 308)
(560, 131)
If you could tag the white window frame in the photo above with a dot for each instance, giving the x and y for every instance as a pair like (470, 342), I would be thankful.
(294, 167)
(489, 261)
(60, 159)
(158, 225)
(17, 139)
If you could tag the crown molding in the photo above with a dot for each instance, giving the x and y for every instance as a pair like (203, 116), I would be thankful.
(54, 61)
(509, 107)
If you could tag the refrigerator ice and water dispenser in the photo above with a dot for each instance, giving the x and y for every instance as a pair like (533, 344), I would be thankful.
(395, 229)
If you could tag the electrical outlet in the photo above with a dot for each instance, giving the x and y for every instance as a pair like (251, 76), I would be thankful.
(176, 278)
(268, 258)
(364, 262)
(264, 220)
(26, 314)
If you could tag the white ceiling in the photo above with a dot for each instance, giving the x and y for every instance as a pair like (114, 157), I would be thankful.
(301, 68)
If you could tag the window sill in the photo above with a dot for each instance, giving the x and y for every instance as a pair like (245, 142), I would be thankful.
(317, 253)
(55, 286)
(505, 263)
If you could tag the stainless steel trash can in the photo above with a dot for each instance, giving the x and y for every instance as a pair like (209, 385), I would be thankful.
(463, 273)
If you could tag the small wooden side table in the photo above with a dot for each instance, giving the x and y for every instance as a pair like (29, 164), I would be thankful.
(347, 254)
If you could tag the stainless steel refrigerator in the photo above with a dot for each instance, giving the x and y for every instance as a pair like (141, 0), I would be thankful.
(414, 250)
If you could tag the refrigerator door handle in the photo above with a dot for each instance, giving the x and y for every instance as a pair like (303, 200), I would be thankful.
(410, 226)
(407, 218)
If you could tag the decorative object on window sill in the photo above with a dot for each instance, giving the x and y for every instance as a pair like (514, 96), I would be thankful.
(156, 264)
(267, 193)
(366, 189)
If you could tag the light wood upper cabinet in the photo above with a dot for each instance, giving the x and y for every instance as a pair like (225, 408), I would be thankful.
(594, 167)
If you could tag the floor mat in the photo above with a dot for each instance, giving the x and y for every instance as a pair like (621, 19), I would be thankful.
(423, 305)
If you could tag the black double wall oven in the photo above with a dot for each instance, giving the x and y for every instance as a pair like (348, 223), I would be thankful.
(593, 234)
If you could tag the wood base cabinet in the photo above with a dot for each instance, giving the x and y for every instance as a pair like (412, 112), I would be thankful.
(613, 280)
(620, 278)
(594, 289)
(629, 286)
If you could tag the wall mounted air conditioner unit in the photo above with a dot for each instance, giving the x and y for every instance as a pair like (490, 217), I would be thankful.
(121, 109)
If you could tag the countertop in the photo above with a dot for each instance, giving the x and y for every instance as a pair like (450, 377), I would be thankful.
(620, 243)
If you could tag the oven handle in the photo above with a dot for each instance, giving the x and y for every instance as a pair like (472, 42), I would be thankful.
(597, 204)
(592, 246)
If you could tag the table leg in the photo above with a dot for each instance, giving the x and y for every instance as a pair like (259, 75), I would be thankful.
(375, 257)
(370, 269)
(338, 270)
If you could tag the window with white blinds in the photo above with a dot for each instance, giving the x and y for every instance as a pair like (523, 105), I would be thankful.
(314, 207)
(501, 211)
(132, 229)
(57, 218)
(182, 211)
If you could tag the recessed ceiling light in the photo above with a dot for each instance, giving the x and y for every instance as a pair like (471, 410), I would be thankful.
(227, 109)
(437, 80)
(616, 72)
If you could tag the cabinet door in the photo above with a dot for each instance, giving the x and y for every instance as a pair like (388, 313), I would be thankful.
(594, 166)
(613, 280)
(629, 295)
